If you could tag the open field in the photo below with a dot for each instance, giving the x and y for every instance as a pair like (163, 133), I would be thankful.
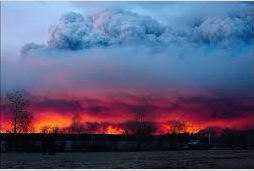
(158, 159)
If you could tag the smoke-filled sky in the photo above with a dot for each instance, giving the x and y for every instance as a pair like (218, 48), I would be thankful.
(106, 61)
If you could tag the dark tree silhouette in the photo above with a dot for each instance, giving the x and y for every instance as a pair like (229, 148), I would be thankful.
(22, 118)
(45, 129)
(143, 129)
(76, 127)
(142, 114)
(91, 127)
(55, 130)
(178, 127)
(130, 128)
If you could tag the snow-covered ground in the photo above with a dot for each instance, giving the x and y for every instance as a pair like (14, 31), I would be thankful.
(158, 159)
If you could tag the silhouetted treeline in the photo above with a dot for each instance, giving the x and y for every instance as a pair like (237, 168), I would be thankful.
(35, 142)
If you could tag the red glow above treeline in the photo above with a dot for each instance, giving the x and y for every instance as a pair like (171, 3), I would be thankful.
(111, 126)
(109, 115)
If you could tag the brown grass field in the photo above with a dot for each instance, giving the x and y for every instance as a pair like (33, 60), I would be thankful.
(159, 159)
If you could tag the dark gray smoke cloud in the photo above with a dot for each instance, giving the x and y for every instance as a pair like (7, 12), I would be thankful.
(115, 27)
(210, 49)
(109, 27)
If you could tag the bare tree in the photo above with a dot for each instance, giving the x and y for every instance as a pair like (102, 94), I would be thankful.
(77, 126)
(178, 127)
(55, 130)
(22, 118)
(130, 128)
(45, 129)
(141, 115)
(91, 127)
(103, 128)
(50, 130)
(26, 122)
(143, 128)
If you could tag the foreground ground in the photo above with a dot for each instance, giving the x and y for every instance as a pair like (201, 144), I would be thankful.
(158, 159)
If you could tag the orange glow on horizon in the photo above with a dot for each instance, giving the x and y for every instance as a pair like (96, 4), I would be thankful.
(64, 120)
(113, 130)
(52, 120)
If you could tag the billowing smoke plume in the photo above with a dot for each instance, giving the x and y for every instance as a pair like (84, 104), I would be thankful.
(75, 31)
(110, 27)
(201, 68)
